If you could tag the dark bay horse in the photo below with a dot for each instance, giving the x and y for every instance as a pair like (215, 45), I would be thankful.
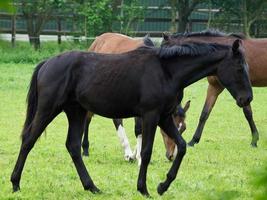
(115, 43)
(255, 53)
(143, 82)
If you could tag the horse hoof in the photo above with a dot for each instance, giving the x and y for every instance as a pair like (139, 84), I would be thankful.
(129, 158)
(161, 189)
(85, 153)
(16, 188)
(95, 190)
(254, 145)
(145, 193)
(191, 144)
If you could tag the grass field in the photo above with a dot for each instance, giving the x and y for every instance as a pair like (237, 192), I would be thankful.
(220, 167)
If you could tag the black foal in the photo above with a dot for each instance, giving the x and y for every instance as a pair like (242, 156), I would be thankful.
(144, 83)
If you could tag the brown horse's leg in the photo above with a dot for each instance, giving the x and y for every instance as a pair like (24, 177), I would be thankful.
(138, 134)
(170, 129)
(255, 135)
(85, 143)
(76, 117)
(150, 121)
(41, 119)
(213, 92)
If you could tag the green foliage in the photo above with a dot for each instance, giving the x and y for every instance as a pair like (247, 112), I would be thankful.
(131, 12)
(25, 53)
(240, 14)
(6, 5)
(102, 14)
(99, 16)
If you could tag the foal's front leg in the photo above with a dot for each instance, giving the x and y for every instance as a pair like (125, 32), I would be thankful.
(170, 129)
(150, 121)
(254, 131)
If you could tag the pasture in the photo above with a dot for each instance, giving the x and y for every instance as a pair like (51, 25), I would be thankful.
(220, 167)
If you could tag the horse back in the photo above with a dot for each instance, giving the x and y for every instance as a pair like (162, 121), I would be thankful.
(114, 43)
(111, 85)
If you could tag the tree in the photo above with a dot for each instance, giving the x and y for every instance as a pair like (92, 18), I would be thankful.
(131, 11)
(99, 16)
(244, 11)
(184, 8)
(36, 14)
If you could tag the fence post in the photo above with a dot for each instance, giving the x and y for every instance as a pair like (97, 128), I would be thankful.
(58, 30)
(13, 30)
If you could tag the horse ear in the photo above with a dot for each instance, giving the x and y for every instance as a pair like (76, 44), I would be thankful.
(187, 105)
(236, 45)
(166, 36)
(147, 35)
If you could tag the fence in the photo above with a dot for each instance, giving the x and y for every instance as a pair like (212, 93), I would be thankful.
(157, 19)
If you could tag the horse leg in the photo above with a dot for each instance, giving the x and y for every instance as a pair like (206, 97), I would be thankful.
(213, 92)
(76, 117)
(150, 121)
(255, 135)
(138, 134)
(40, 121)
(170, 129)
(85, 143)
(128, 154)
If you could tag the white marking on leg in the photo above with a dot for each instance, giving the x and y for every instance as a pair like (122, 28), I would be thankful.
(180, 126)
(128, 154)
(175, 152)
(138, 149)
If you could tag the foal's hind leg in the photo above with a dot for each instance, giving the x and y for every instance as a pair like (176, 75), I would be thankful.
(42, 118)
(76, 117)
(85, 143)
(150, 121)
(170, 129)
(255, 135)
(128, 154)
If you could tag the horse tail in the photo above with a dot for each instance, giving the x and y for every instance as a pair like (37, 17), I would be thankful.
(32, 99)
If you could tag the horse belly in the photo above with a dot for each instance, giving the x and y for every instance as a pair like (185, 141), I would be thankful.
(111, 104)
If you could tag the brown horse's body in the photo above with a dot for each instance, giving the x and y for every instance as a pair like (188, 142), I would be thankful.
(255, 52)
(115, 43)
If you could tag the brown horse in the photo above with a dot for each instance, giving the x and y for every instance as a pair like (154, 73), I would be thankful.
(255, 52)
(116, 43)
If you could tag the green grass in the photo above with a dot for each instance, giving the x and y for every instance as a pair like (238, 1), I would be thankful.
(220, 167)
(25, 53)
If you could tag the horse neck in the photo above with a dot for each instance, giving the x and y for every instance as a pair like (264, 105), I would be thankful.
(185, 71)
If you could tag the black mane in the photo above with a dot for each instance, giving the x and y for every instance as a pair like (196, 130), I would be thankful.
(189, 49)
(209, 33)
